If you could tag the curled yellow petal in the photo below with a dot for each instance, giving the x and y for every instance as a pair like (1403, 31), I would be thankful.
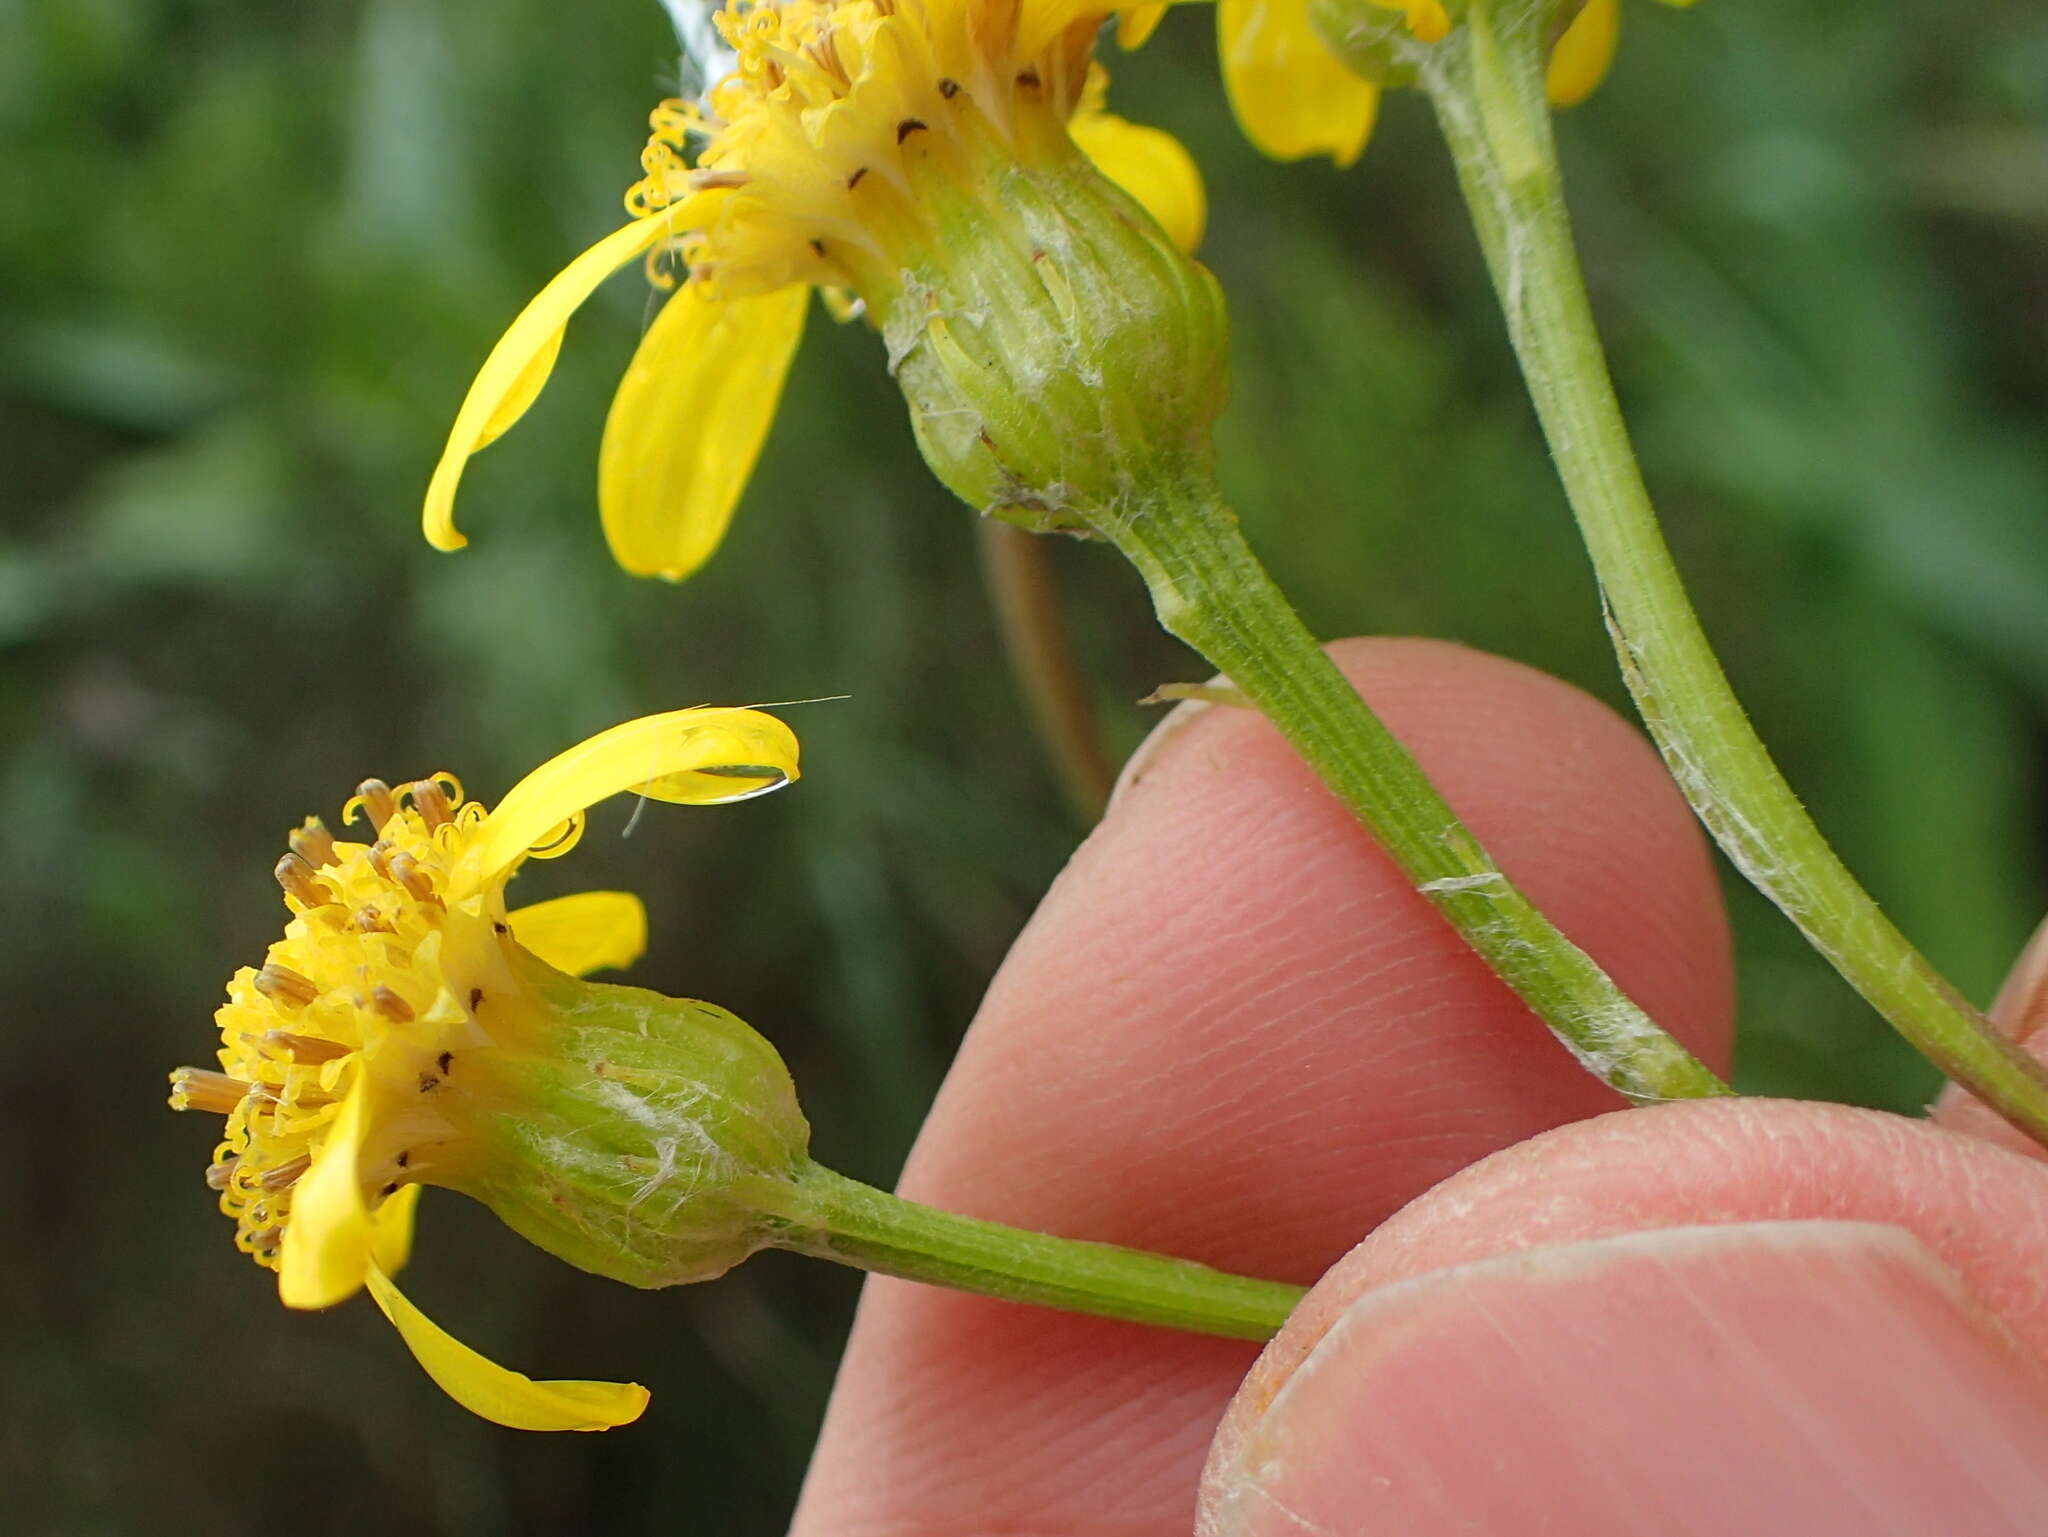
(519, 364)
(327, 1242)
(1137, 24)
(502, 1396)
(697, 757)
(1293, 96)
(391, 1229)
(1428, 21)
(688, 422)
(1580, 60)
(1151, 165)
(586, 932)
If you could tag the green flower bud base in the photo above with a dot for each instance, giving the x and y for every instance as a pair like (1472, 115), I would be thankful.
(1058, 354)
(658, 1141)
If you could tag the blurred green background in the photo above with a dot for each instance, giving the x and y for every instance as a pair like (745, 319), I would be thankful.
(250, 252)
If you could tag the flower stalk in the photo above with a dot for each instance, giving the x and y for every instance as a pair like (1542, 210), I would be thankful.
(1486, 81)
(835, 1218)
(1063, 361)
(1212, 592)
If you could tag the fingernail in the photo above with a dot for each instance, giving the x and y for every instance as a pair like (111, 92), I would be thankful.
(1810, 1377)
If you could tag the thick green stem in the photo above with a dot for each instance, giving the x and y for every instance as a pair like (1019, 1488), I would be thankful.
(1487, 83)
(840, 1219)
(1212, 592)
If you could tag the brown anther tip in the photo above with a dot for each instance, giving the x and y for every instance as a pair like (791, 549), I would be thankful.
(312, 842)
(295, 875)
(818, 249)
(949, 89)
(1028, 78)
(431, 801)
(445, 1061)
(305, 1048)
(282, 985)
(370, 921)
(391, 1006)
(378, 801)
(907, 127)
(854, 180)
(218, 1174)
(199, 1088)
(285, 1175)
(404, 869)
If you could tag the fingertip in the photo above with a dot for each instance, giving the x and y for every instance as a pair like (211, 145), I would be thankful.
(1695, 1379)
(1235, 1033)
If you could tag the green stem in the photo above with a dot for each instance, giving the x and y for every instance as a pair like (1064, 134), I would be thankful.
(1017, 569)
(1487, 83)
(840, 1219)
(1212, 592)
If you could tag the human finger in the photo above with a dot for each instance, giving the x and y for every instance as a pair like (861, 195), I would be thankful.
(1739, 1316)
(1233, 1032)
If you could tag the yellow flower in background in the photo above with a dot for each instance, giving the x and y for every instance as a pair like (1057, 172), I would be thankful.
(395, 1032)
(824, 159)
(1295, 96)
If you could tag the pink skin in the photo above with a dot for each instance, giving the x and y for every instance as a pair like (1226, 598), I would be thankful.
(1232, 1032)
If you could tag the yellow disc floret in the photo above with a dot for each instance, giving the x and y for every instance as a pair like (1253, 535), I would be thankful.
(368, 983)
(408, 1029)
(803, 164)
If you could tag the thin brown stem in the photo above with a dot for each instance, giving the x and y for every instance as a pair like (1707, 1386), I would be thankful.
(1017, 568)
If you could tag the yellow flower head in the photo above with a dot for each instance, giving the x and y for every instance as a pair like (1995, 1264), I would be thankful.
(1295, 96)
(398, 1026)
(827, 158)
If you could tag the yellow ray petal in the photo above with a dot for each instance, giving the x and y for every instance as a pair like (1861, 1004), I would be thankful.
(1579, 61)
(391, 1229)
(687, 425)
(1292, 95)
(1151, 165)
(499, 1395)
(583, 933)
(1136, 26)
(697, 757)
(519, 364)
(327, 1242)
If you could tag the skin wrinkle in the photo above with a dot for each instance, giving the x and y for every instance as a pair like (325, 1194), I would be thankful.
(1075, 1106)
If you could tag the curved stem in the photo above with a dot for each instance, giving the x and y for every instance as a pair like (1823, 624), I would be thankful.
(1017, 569)
(1486, 81)
(840, 1219)
(1212, 592)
